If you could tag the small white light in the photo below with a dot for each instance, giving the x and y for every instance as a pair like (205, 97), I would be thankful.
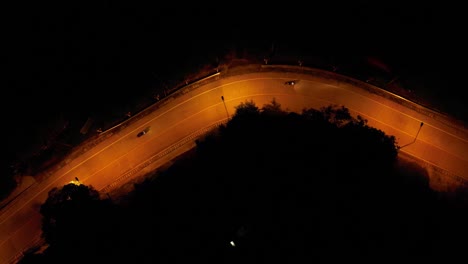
(232, 243)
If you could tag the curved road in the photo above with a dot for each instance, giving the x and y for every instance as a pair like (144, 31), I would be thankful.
(438, 143)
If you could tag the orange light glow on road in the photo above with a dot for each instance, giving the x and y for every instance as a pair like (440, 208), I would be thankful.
(438, 142)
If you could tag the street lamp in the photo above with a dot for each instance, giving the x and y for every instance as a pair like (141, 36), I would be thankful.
(227, 113)
(414, 140)
(76, 181)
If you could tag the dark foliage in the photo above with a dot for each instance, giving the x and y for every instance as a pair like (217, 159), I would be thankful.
(78, 225)
(317, 187)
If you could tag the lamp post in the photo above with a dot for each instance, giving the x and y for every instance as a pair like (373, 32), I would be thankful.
(227, 113)
(420, 126)
(414, 140)
(76, 181)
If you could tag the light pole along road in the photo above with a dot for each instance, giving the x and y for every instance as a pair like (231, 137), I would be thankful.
(439, 143)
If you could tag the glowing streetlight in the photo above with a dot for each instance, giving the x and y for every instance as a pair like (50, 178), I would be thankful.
(76, 181)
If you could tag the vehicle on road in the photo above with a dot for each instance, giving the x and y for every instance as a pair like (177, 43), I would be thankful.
(293, 82)
(143, 132)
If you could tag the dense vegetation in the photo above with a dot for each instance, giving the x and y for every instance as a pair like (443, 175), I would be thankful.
(270, 186)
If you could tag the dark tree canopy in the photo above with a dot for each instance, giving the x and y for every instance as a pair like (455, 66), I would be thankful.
(319, 186)
(69, 203)
(75, 220)
(246, 109)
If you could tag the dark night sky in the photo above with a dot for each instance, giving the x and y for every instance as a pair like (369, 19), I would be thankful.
(64, 58)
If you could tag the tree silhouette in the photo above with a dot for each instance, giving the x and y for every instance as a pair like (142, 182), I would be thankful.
(273, 109)
(75, 219)
(64, 208)
(247, 109)
(270, 186)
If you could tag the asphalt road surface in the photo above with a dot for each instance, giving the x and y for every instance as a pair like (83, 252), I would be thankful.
(438, 142)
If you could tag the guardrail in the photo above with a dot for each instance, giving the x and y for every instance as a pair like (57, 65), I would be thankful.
(161, 154)
(38, 241)
(422, 109)
(244, 68)
(225, 71)
(252, 68)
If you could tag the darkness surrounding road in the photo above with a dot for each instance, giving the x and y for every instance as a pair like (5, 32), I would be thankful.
(65, 63)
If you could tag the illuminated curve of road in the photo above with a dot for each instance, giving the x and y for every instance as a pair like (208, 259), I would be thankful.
(120, 153)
